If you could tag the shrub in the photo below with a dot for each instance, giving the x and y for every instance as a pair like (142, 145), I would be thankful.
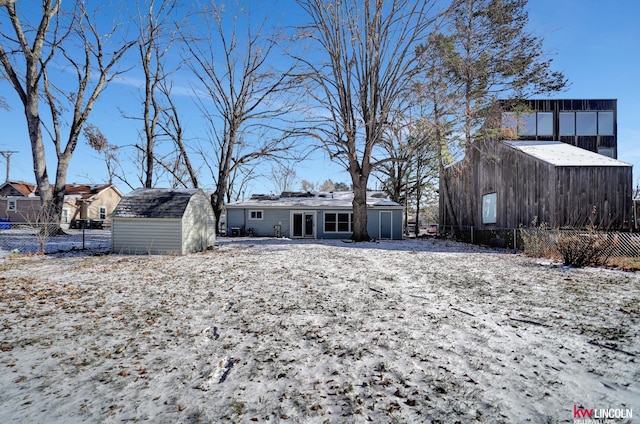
(536, 239)
(586, 248)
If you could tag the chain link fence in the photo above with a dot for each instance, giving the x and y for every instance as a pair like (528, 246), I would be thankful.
(17, 239)
(554, 243)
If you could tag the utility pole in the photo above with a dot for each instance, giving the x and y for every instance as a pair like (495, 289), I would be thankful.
(7, 155)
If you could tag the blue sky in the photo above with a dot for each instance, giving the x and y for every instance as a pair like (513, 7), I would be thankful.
(595, 43)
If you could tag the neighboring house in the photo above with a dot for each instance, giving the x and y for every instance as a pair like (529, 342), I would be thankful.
(591, 124)
(315, 216)
(163, 221)
(82, 202)
(512, 182)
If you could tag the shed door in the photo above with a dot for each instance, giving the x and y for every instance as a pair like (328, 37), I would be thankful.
(385, 225)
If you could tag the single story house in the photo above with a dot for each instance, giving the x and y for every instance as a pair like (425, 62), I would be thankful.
(309, 215)
(163, 221)
(506, 184)
(82, 202)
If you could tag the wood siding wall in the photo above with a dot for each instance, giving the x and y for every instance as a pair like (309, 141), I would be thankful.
(528, 188)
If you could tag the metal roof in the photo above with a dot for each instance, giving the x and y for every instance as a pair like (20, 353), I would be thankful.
(562, 154)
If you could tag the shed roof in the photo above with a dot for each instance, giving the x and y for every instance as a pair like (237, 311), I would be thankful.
(166, 203)
(341, 199)
(562, 154)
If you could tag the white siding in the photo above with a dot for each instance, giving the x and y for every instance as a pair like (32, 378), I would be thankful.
(146, 236)
(198, 225)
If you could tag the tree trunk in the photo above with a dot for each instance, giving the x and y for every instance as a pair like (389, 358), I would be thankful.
(359, 209)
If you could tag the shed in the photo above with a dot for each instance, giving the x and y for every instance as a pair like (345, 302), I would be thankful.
(163, 221)
(508, 184)
(312, 215)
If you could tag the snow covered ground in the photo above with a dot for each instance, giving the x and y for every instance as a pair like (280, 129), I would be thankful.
(265, 330)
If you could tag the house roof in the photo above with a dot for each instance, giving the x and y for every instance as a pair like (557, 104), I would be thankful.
(26, 189)
(165, 203)
(86, 191)
(83, 191)
(342, 200)
(562, 154)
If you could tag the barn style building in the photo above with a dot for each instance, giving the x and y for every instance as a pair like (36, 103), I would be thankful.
(506, 184)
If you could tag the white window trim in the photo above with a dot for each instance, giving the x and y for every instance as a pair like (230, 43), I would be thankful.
(100, 209)
(12, 205)
(255, 211)
(324, 226)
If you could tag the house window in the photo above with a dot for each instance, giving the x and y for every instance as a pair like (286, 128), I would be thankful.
(489, 208)
(256, 215)
(606, 151)
(339, 222)
(605, 123)
(509, 122)
(65, 216)
(567, 123)
(12, 205)
(102, 213)
(586, 123)
(545, 123)
(527, 124)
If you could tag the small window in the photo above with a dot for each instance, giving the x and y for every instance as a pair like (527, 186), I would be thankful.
(527, 124)
(256, 215)
(489, 208)
(509, 123)
(605, 123)
(65, 216)
(606, 151)
(567, 123)
(545, 123)
(586, 123)
(12, 205)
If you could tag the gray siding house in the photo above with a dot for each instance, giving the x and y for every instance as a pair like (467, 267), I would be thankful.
(508, 184)
(314, 216)
(163, 221)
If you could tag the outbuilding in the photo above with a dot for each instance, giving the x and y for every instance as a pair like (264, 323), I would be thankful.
(508, 184)
(163, 221)
(312, 216)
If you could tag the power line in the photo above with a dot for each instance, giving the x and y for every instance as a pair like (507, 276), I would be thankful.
(7, 155)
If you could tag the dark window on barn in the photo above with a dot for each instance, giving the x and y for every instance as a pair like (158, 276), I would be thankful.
(567, 123)
(545, 123)
(605, 123)
(586, 123)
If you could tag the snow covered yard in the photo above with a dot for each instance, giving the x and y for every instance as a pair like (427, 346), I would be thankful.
(282, 331)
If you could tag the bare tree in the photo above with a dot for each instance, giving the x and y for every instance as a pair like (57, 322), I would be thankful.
(370, 61)
(251, 99)
(283, 177)
(98, 142)
(29, 56)
(156, 36)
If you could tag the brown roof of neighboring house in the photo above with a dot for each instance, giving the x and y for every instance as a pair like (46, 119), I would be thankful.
(25, 189)
(83, 191)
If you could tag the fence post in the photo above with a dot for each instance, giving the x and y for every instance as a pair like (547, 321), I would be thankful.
(472, 235)
(515, 239)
